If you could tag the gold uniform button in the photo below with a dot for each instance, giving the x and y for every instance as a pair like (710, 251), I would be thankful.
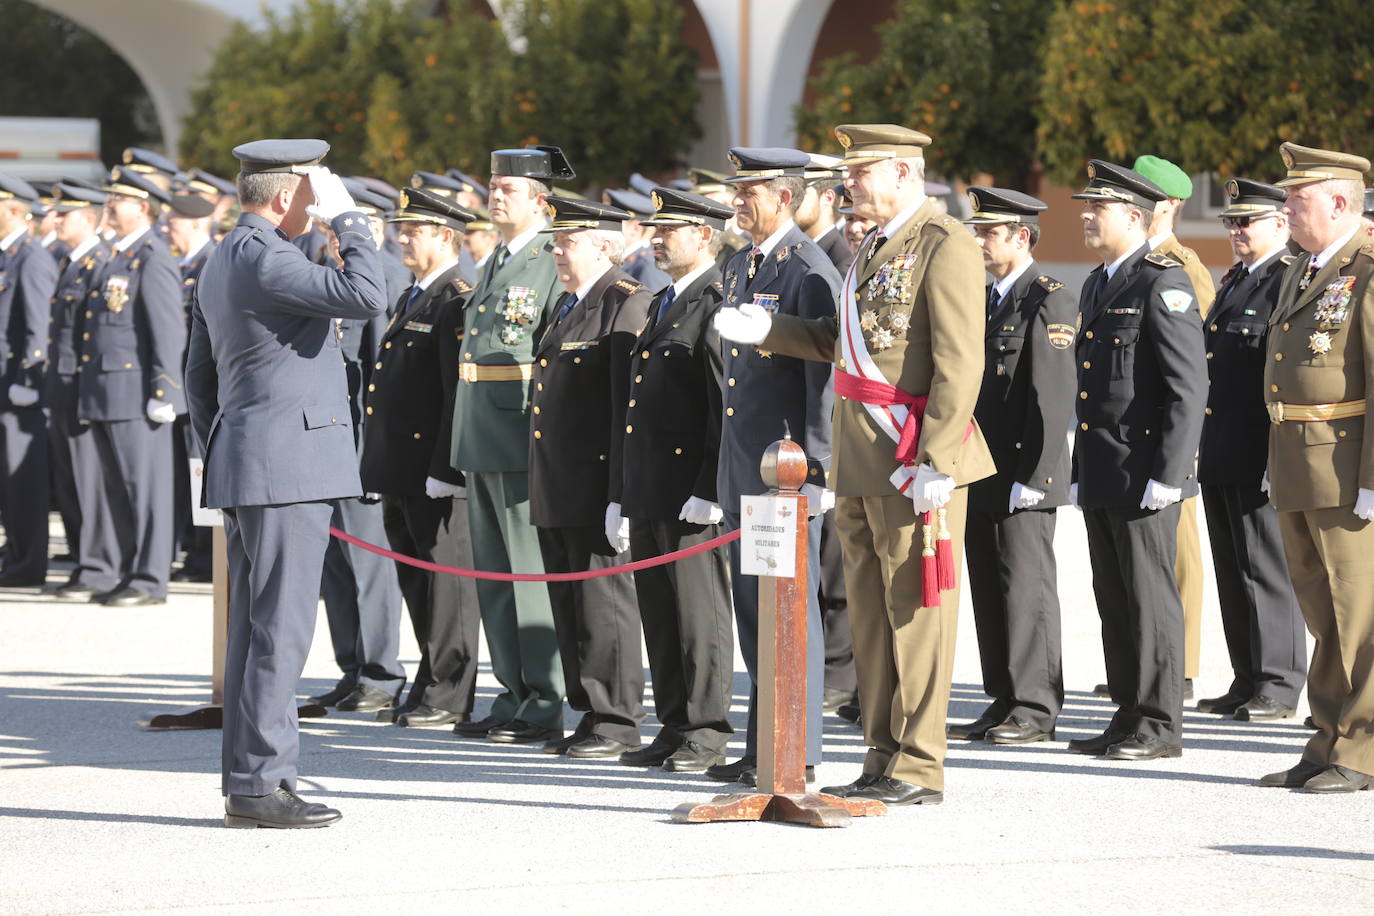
(1089, 335)
(1209, 354)
(539, 386)
(632, 402)
(157, 393)
(128, 365)
(731, 383)
(1278, 357)
(1087, 365)
(665, 352)
(601, 457)
(417, 435)
(538, 434)
(1285, 325)
(1082, 395)
(677, 451)
(369, 411)
(734, 351)
(90, 314)
(86, 336)
(1274, 388)
(629, 429)
(473, 331)
(729, 411)
(1083, 426)
(841, 364)
(465, 356)
(371, 387)
(638, 379)
(536, 408)
(543, 363)
(387, 345)
(1208, 411)
(1214, 327)
(644, 354)
(1341, 434)
(577, 360)
(1116, 340)
(481, 308)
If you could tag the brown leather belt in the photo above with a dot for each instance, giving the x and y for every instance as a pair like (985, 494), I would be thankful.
(1307, 413)
(472, 372)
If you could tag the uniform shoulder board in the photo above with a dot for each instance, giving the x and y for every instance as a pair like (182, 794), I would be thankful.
(461, 285)
(1288, 258)
(1161, 260)
(629, 286)
(1049, 284)
(716, 285)
(944, 223)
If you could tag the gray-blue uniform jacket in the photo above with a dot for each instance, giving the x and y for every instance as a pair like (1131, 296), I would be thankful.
(762, 389)
(67, 324)
(28, 275)
(272, 419)
(137, 329)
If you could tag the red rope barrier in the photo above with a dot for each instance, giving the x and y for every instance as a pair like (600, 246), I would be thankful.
(666, 558)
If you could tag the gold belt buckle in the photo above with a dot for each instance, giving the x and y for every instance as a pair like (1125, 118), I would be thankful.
(1275, 409)
(467, 372)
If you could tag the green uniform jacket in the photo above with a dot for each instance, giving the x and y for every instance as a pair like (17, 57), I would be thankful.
(504, 320)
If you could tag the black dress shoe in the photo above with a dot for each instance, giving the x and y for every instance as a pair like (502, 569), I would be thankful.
(128, 596)
(479, 728)
(750, 777)
(1097, 745)
(1224, 705)
(14, 580)
(1102, 690)
(594, 747)
(863, 782)
(191, 574)
(659, 750)
(428, 717)
(832, 698)
(976, 730)
(334, 696)
(731, 772)
(1263, 709)
(1309, 723)
(1142, 747)
(1018, 731)
(1337, 779)
(392, 713)
(850, 711)
(1294, 778)
(75, 590)
(366, 698)
(692, 758)
(518, 731)
(283, 808)
(895, 793)
(560, 745)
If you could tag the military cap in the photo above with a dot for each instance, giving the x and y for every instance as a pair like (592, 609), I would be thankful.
(637, 204)
(425, 205)
(679, 184)
(68, 197)
(146, 161)
(1252, 198)
(1304, 164)
(573, 214)
(1002, 205)
(683, 208)
(439, 184)
(468, 183)
(202, 182)
(287, 156)
(380, 188)
(482, 223)
(865, 143)
(132, 184)
(190, 206)
(704, 180)
(642, 185)
(1171, 179)
(12, 188)
(936, 189)
(369, 202)
(542, 163)
(1107, 181)
(1369, 201)
(824, 168)
(765, 163)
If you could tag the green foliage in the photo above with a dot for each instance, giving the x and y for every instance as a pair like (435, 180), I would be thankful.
(964, 71)
(395, 91)
(1216, 85)
(56, 69)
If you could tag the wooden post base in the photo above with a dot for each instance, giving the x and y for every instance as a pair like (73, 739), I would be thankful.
(211, 716)
(812, 809)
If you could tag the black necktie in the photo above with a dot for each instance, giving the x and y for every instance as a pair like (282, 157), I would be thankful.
(666, 303)
(569, 301)
(993, 299)
(502, 255)
(1308, 274)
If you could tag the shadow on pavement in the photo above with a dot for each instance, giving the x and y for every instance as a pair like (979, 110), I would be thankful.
(1299, 852)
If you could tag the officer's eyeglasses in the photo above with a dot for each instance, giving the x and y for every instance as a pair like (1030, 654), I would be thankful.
(1242, 222)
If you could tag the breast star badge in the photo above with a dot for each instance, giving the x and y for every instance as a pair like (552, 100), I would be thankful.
(899, 322)
(868, 320)
(881, 339)
(1320, 343)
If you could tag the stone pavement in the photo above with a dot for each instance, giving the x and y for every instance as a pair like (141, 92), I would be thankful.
(99, 816)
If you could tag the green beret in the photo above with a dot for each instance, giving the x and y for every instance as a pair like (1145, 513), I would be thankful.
(1170, 178)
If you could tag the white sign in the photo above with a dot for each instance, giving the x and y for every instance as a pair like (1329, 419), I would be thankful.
(768, 536)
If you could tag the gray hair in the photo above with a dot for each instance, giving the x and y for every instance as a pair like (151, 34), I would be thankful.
(1351, 190)
(256, 189)
(793, 183)
(614, 242)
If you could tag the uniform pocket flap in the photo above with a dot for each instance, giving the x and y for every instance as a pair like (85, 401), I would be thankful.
(113, 362)
(319, 415)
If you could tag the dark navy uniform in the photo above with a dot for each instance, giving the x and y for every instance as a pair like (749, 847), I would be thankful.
(1260, 616)
(137, 332)
(195, 539)
(28, 276)
(1142, 384)
(670, 454)
(269, 404)
(577, 424)
(766, 395)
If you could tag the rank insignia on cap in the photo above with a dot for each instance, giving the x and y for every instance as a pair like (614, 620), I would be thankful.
(1092, 170)
(128, 157)
(658, 201)
(1176, 300)
(416, 181)
(1060, 335)
(403, 199)
(843, 138)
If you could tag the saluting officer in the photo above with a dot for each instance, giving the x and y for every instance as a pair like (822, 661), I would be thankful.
(1142, 386)
(405, 458)
(1317, 380)
(269, 404)
(71, 444)
(504, 319)
(768, 395)
(130, 391)
(664, 481)
(1024, 408)
(28, 276)
(1264, 630)
(579, 414)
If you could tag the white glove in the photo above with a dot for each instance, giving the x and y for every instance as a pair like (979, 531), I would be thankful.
(160, 411)
(437, 489)
(617, 528)
(331, 197)
(1364, 505)
(695, 511)
(1024, 497)
(747, 324)
(930, 489)
(1264, 482)
(818, 499)
(23, 397)
(1158, 496)
(1073, 496)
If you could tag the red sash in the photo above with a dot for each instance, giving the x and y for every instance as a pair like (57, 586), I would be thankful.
(881, 394)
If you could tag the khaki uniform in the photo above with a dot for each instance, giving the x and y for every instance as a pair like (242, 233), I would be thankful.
(1320, 341)
(904, 653)
(1188, 564)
